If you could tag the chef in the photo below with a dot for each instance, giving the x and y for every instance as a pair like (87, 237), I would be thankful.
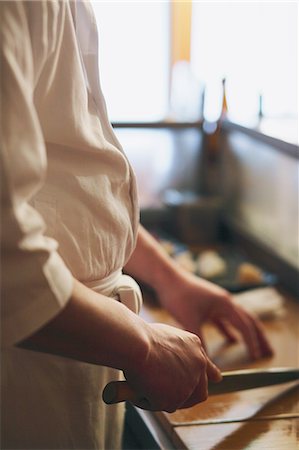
(69, 226)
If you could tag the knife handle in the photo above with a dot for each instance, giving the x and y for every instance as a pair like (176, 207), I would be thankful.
(120, 391)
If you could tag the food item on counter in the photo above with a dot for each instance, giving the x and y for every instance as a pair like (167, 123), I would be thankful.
(265, 303)
(210, 264)
(248, 273)
(168, 246)
(185, 260)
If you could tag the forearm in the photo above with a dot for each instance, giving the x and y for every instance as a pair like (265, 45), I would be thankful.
(149, 263)
(94, 329)
(98, 330)
(194, 301)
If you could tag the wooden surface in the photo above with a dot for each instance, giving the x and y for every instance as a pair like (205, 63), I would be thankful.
(265, 418)
(257, 435)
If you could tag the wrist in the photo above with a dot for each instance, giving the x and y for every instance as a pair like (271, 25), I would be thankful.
(137, 348)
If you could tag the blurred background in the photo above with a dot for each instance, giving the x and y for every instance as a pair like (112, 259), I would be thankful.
(203, 97)
(158, 59)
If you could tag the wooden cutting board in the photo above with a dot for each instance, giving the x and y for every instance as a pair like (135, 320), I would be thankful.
(259, 419)
(221, 421)
(268, 402)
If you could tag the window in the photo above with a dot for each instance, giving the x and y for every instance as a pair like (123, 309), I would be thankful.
(134, 58)
(253, 45)
(149, 73)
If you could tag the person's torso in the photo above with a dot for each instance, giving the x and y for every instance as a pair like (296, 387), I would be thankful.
(89, 198)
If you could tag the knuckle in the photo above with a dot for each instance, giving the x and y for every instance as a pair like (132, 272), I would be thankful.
(202, 361)
(198, 342)
(227, 297)
(201, 396)
(195, 339)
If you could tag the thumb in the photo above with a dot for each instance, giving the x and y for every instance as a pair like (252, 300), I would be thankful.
(213, 372)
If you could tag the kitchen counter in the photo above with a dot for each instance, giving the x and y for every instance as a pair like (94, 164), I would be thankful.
(258, 419)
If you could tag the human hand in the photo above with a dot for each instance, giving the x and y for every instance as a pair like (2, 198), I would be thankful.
(175, 372)
(193, 301)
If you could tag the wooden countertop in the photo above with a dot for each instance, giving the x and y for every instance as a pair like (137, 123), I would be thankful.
(265, 418)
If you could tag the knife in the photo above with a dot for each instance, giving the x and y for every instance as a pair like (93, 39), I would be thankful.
(232, 381)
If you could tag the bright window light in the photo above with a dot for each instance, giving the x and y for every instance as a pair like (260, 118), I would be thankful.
(254, 46)
(134, 58)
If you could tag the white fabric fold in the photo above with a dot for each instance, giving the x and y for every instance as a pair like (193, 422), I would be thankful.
(120, 287)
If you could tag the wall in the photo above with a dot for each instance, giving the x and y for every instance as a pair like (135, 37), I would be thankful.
(162, 159)
(260, 187)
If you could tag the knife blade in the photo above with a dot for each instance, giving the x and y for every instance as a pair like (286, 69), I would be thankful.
(232, 381)
(239, 380)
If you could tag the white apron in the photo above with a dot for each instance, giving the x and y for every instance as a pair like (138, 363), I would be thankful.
(56, 403)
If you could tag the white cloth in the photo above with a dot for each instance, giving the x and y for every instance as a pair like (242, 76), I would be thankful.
(51, 402)
(120, 287)
(63, 168)
(68, 207)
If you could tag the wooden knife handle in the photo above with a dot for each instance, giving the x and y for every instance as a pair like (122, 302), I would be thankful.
(120, 391)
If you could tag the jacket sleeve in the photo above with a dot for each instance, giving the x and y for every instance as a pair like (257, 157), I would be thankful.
(35, 282)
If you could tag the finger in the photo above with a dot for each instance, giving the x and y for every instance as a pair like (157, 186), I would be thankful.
(197, 330)
(202, 340)
(243, 324)
(200, 393)
(154, 405)
(225, 329)
(265, 345)
(143, 403)
(213, 372)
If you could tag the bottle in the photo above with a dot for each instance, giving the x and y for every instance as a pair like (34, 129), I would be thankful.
(224, 108)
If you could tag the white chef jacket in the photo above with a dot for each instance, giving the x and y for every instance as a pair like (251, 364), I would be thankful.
(68, 198)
